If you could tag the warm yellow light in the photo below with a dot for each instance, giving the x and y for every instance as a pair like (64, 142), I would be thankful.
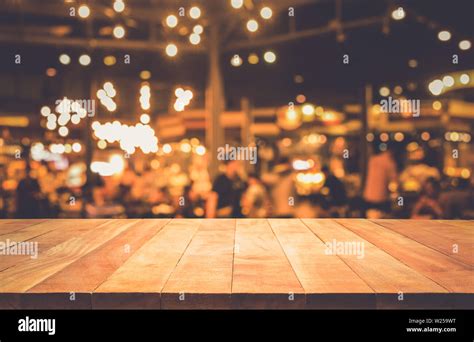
(145, 75)
(448, 81)
(171, 50)
(270, 57)
(399, 136)
(119, 32)
(119, 6)
(45, 111)
(195, 12)
(84, 11)
(102, 144)
(465, 44)
(63, 131)
(110, 60)
(384, 91)
(436, 87)
(253, 58)
(236, 61)
(266, 13)
(308, 110)
(194, 38)
(437, 105)
(425, 136)
(200, 150)
(167, 148)
(65, 59)
(237, 3)
(84, 60)
(198, 29)
(145, 119)
(464, 78)
(444, 36)
(252, 25)
(76, 147)
(171, 21)
(399, 13)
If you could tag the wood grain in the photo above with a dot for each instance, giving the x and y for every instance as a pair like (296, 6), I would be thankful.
(139, 281)
(238, 264)
(456, 242)
(203, 277)
(263, 276)
(324, 277)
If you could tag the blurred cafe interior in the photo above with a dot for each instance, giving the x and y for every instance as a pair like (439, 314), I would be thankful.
(120, 108)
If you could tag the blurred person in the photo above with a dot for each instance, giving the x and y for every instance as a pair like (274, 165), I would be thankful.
(255, 200)
(28, 196)
(458, 203)
(192, 205)
(381, 171)
(428, 205)
(334, 191)
(282, 188)
(227, 189)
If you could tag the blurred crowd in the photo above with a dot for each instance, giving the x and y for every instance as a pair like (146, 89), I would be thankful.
(44, 192)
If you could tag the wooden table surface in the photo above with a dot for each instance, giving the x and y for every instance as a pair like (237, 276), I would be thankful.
(238, 264)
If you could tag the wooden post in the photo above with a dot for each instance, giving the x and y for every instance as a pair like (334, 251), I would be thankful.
(367, 106)
(91, 89)
(215, 103)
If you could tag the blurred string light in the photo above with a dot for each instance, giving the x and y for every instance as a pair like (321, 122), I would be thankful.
(119, 6)
(66, 111)
(237, 3)
(236, 61)
(171, 50)
(194, 38)
(114, 166)
(253, 58)
(119, 32)
(84, 11)
(171, 21)
(198, 29)
(195, 12)
(64, 59)
(444, 36)
(145, 74)
(266, 13)
(270, 57)
(399, 13)
(110, 60)
(145, 119)
(465, 44)
(183, 98)
(145, 95)
(106, 95)
(252, 25)
(84, 60)
(129, 137)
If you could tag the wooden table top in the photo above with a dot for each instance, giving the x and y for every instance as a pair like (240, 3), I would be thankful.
(238, 263)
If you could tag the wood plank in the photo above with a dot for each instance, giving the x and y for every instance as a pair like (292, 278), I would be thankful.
(458, 223)
(34, 231)
(327, 281)
(455, 242)
(449, 273)
(386, 275)
(139, 281)
(203, 277)
(10, 226)
(87, 273)
(263, 276)
(65, 230)
(22, 277)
